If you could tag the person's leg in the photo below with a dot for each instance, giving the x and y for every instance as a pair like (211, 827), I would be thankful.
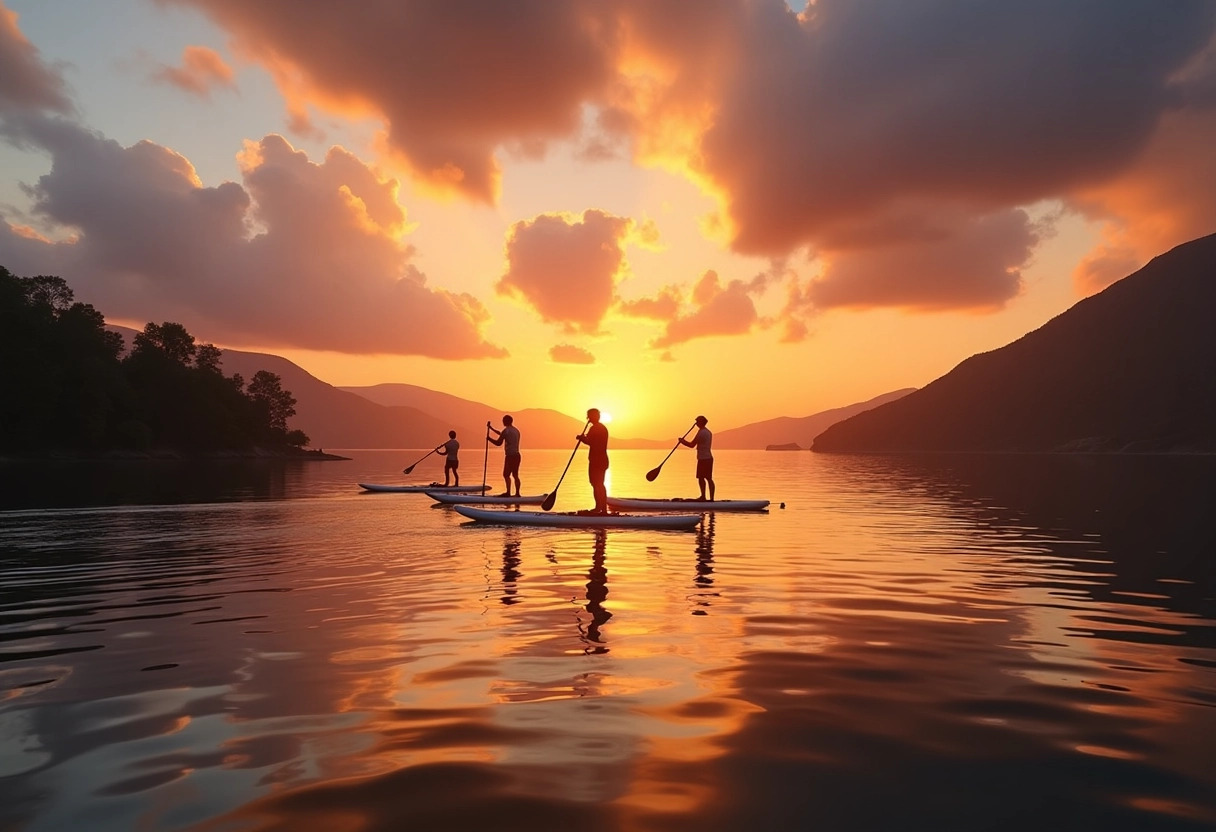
(701, 483)
(712, 488)
(447, 474)
(601, 493)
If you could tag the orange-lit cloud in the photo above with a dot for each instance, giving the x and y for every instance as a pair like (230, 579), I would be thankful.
(719, 310)
(810, 129)
(25, 81)
(662, 307)
(304, 254)
(202, 70)
(454, 80)
(954, 261)
(1166, 198)
(570, 354)
(567, 268)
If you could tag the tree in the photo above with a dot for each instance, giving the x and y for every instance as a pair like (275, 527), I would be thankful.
(266, 389)
(169, 339)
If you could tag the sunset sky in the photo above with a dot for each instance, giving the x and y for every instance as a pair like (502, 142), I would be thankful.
(743, 208)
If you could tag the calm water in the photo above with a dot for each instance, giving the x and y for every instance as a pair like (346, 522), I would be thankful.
(995, 643)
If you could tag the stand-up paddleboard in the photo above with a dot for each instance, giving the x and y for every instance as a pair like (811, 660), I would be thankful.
(682, 504)
(575, 520)
(487, 500)
(419, 489)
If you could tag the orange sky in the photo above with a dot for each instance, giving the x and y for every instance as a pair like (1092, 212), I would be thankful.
(660, 210)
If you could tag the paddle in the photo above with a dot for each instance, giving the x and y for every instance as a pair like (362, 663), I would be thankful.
(485, 465)
(552, 498)
(653, 473)
(411, 468)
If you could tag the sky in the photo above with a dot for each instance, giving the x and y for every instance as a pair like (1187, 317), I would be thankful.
(741, 208)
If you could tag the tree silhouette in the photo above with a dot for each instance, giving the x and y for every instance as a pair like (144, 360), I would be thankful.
(65, 386)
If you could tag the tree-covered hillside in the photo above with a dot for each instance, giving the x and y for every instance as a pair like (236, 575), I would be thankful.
(66, 386)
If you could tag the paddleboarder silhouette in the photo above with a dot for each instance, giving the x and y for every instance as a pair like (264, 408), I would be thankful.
(703, 442)
(596, 440)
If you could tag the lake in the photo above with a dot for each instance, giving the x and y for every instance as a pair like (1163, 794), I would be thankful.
(945, 643)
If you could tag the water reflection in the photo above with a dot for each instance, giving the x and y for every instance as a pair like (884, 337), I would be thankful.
(915, 644)
(510, 567)
(703, 581)
(597, 593)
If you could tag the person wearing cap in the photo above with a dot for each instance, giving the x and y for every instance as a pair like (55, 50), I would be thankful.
(596, 440)
(510, 460)
(703, 442)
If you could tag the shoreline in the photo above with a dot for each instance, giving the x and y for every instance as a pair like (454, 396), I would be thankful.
(176, 455)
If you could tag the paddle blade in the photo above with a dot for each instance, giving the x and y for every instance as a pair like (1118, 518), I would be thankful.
(407, 470)
(653, 474)
(550, 500)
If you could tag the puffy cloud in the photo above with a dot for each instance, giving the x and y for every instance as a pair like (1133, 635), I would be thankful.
(570, 354)
(813, 129)
(662, 307)
(720, 310)
(25, 81)
(567, 268)
(454, 80)
(951, 261)
(303, 255)
(863, 102)
(201, 71)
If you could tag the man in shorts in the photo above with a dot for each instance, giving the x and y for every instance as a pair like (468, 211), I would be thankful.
(703, 442)
(449, 451)
(508, 437)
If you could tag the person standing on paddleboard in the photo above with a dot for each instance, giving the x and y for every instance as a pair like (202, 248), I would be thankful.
(703, 442)
(596, 440)
(451, 463)
(509, 438)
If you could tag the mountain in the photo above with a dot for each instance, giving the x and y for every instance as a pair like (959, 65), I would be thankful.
(800, 431)
(539, 427)
(1132, 368)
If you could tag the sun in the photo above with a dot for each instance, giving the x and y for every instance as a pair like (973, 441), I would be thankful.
(605, 417)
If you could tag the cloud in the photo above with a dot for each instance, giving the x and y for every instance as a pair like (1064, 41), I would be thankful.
(570, 354)
(202, 70)
(567, 268)
(453, 80)
(303, 255)
(863, 102)
(25, 81)
(662, 307)
(720, 310)
(954, 261)
(1166, 198)
(812, 129)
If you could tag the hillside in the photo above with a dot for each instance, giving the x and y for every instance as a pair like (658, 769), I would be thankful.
(540, 427)
(1132, 368)
(799, 431)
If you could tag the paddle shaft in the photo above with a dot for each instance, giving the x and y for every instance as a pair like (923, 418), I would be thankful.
(552, 498)
(654, 472)
(411, 468)
(485, 465)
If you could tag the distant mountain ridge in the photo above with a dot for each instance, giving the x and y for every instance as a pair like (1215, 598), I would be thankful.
(800, 431)
(395, 415)
(1132, 368)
